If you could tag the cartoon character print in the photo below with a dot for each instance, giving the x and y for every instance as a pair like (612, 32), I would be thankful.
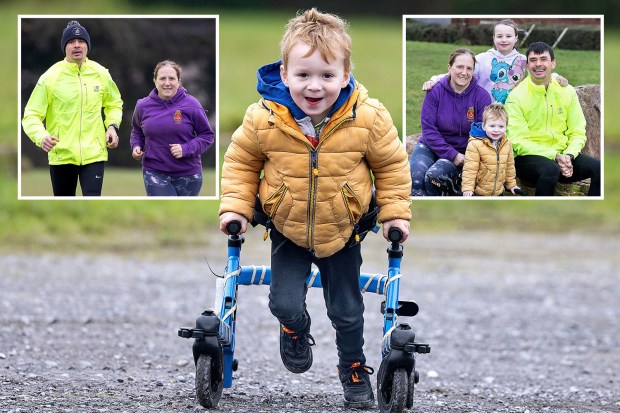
(517, 71)
(506, 77)
(499, 76)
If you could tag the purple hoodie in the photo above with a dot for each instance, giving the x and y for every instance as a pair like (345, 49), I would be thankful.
(447, 116)
(157, 123)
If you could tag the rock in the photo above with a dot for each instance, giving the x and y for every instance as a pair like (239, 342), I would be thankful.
(411, 141)
(590, 99)
(579, 188)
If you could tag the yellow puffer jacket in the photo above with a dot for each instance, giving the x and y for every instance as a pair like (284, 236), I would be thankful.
(487, 170)
(315, 196)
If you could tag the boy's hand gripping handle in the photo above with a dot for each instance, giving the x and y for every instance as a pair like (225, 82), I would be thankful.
(233, 227)
(395, 234)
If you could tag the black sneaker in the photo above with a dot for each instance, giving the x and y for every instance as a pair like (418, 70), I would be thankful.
(295, 349)
(356, 384)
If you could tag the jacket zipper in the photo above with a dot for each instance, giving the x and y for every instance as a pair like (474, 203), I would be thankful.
(549, 118)
(496, 171)
(81, 109)
(314, 176)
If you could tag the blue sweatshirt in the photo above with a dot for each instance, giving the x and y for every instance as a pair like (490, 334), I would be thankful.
(447, 116)
(157, 123)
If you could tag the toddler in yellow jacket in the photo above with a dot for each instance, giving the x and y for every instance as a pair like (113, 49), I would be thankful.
(489, 163)
(310, 149)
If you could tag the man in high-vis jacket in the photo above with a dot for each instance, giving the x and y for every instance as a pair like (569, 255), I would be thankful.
(63, 116)
(547, 128)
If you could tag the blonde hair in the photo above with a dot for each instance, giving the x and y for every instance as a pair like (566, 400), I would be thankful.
(324, 32)
(494, 111)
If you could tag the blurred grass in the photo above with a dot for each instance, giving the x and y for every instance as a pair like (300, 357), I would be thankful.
(376, 62)
(247, 40)
(424, 59)
(118, 182)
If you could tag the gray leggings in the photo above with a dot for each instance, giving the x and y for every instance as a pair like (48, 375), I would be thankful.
(158, 184)
(426, 166)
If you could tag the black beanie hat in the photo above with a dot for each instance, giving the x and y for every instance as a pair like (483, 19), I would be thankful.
(74, 30)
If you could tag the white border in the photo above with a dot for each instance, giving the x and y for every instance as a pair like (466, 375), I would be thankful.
(216, 129)
(512, 16)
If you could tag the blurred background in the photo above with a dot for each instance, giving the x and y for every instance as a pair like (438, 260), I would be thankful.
(249, 33)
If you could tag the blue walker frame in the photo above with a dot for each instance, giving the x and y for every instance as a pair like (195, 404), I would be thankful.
(397, 351)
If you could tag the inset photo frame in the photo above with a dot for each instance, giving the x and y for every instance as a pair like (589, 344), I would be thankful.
(118, 107)
(540, 80)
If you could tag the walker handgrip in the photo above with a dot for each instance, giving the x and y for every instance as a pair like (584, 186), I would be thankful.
(395, 234)
(233, 227)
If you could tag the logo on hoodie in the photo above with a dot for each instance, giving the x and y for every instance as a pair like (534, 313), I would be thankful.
(177, 116)
(470, 114)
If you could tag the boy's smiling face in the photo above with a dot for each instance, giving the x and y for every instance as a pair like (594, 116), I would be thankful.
(314, 84)
(495, 128)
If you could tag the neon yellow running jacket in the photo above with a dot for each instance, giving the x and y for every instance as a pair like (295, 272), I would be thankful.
(67, 103)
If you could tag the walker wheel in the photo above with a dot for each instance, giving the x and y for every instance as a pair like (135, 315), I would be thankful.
(209, 381)
(414, 377)
(393, 392)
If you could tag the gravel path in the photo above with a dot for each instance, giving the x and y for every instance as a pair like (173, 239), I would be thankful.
(517, 323)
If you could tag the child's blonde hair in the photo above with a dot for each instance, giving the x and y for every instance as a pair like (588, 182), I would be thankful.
(324, 32)
(494, 111)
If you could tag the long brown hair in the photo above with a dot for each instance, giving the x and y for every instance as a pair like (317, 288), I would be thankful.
(459, 52)
(170, 63)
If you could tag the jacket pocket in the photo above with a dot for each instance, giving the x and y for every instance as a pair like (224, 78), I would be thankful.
(352, 203)
(482, 176)
(272, 203)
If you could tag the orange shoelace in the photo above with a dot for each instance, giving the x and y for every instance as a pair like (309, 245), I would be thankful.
(354, 376)
(290, 332)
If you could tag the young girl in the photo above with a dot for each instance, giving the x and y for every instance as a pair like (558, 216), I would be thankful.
(501, 68)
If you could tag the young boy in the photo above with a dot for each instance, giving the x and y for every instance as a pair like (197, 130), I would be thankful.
(489, 163)
(317, 137)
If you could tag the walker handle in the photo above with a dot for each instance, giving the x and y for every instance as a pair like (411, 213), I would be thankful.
(395, 234)
(233, 227)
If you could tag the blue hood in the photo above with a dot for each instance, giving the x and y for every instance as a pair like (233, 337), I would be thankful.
(271, 87)
(476, 131)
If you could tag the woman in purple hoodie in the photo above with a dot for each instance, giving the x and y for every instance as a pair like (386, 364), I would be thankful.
(169, 132)
(448, 111)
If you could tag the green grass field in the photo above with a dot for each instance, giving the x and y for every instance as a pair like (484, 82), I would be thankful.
(117, 182)
(425, 59)
(377, 51)
(247, 40)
